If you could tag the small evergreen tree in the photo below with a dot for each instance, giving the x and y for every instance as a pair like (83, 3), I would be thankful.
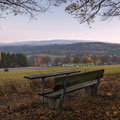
(13, 60)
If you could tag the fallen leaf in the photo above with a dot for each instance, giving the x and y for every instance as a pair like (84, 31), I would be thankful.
(115, 113)
(109, 94)
(113, 108)
(108, 113)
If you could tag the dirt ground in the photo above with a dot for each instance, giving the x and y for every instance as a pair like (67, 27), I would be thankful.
(24, 104)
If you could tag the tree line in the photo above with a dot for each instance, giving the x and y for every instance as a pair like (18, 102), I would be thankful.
(20, 60)
(97, 60)
(12, 60)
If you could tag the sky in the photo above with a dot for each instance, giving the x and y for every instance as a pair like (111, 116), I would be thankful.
(57, 24)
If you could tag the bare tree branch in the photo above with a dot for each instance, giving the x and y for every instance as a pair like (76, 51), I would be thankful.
(83, 10)
(87, 10)
(28, 7)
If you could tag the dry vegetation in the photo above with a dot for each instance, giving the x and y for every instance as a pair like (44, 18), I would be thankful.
(21, 102)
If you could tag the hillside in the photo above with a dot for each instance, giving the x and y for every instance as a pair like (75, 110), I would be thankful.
(84, 48)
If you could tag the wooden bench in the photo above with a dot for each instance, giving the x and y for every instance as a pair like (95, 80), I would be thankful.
(64, 85)
(44, 76)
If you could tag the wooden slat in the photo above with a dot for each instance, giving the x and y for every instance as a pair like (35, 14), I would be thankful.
(70, 89)
(47, 92)
(50, 74)
(77, 78)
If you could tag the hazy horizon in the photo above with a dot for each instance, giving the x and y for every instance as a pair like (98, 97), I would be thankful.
(56, 40)
(48, 40)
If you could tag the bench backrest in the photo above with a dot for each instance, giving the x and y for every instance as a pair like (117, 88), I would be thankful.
(77, 78)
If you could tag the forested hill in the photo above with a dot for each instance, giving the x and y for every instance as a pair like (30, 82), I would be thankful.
(97, 48)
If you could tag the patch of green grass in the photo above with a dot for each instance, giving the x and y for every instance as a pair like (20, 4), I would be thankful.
(49, 55)
(109, 69)
(18, 76)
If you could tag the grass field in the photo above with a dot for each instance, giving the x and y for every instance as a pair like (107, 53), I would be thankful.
(18, 76)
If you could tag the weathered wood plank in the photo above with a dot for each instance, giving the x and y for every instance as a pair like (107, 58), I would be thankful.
(47, 92)
(77, 78)
(70, 89)
(50, 74)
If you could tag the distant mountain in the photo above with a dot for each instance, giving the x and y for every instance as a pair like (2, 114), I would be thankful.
(80, 48)
(43, 43)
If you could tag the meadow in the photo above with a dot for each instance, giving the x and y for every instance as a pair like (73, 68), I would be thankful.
(19, 99)
(18, 76)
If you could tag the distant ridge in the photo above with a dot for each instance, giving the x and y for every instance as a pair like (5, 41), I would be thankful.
(43, 43)
(58, 47)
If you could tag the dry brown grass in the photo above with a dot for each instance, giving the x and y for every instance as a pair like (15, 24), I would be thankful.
(23, 103)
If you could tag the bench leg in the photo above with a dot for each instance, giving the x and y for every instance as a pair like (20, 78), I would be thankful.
(55, 104)
(51, 103)
(91, 91)
(59, 106)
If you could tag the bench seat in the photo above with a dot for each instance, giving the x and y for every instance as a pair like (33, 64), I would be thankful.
(55, 94)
